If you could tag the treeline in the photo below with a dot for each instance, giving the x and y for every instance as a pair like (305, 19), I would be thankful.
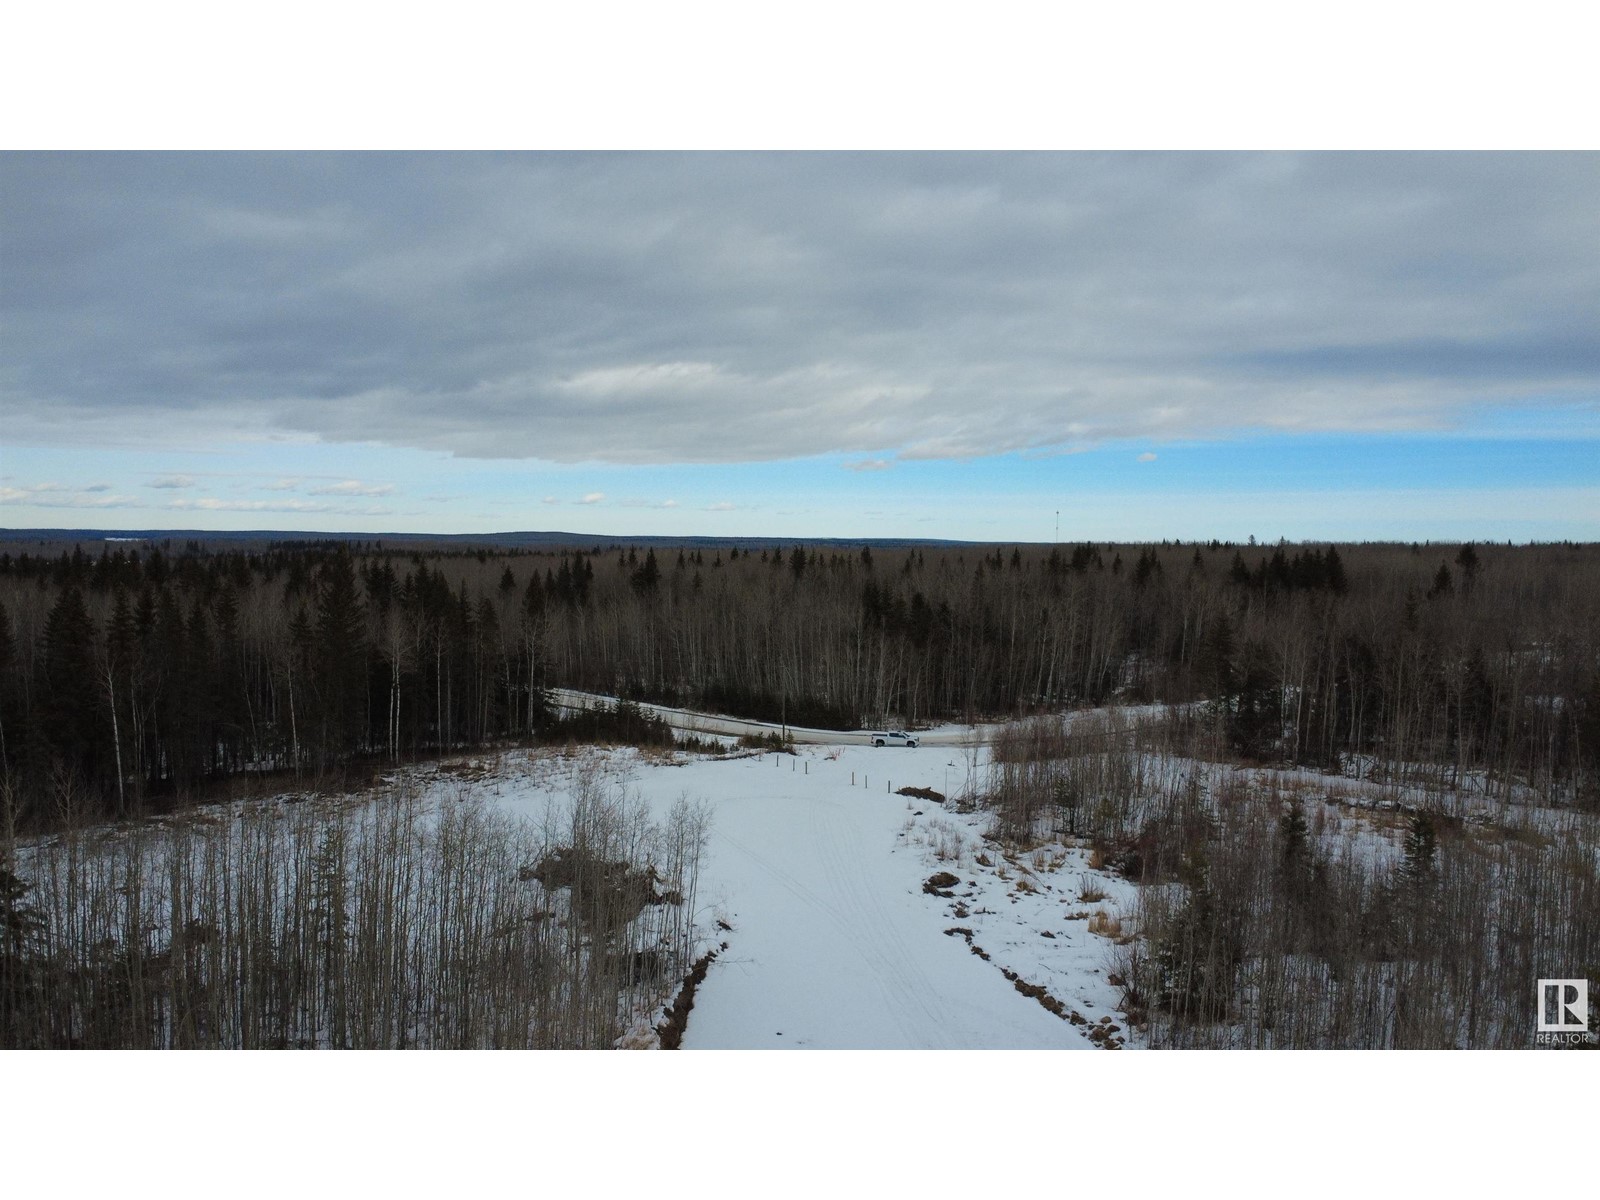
(129, 679)
(137, 672)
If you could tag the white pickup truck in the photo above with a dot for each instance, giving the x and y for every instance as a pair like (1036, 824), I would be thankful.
(894, 739)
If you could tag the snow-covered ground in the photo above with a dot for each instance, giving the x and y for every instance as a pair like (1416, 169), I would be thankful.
(843, 914)
(814, 878)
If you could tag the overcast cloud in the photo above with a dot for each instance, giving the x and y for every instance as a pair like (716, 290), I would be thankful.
(728, 308)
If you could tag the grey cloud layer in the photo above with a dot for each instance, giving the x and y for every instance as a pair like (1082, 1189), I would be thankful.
(659, 308)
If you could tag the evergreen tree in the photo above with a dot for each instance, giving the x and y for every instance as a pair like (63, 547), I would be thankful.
(1419, 864)
(1443, 585)
(198, 698)
(1415, 894)
(22, 928)
(647, 577)
(1333, 567)
(1214, 664)
(72, 694)
(1197, 960)
(339, 659)
(7, 653)
(1295, 837)
(533, 598)
(1147, 568)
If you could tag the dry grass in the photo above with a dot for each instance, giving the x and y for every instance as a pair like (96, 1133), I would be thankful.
(470, 769)
(1105, 925)
(1047, 859)
(945, 840)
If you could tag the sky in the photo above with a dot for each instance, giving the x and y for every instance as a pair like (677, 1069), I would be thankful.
(988, 346)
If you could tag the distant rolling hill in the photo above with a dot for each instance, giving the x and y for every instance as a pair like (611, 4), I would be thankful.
(516, 539)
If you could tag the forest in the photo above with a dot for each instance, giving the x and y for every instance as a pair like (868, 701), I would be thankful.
(1285, 908)
(134, 677)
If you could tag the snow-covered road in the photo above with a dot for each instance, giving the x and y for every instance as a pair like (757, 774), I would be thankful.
(834, 944)
(812, 882)
(698, 722)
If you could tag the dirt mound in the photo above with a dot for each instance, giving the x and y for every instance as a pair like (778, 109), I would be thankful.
(606, 895)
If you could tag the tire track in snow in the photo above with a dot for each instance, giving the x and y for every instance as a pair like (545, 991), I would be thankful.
(914, 1027)
(910, 989)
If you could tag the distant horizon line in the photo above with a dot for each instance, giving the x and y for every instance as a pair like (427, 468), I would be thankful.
(528, 539)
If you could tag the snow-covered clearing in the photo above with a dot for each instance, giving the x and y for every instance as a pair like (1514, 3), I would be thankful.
(817, 869)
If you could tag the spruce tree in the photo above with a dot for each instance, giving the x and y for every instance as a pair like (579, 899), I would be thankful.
(72, 695)
(1215, 660)
(647, 577)
(1197, 958)
(22, 928)
(1333, 567)
(1294, 835)
(1420, 862)
(1443, 585)
(7, 653)
(340, 658)
(1298, 865)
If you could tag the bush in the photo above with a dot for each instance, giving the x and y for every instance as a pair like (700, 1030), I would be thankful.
(773, 741)
(621, 724)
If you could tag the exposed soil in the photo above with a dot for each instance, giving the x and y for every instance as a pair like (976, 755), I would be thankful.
(672, 1029)
(1103, 1035)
